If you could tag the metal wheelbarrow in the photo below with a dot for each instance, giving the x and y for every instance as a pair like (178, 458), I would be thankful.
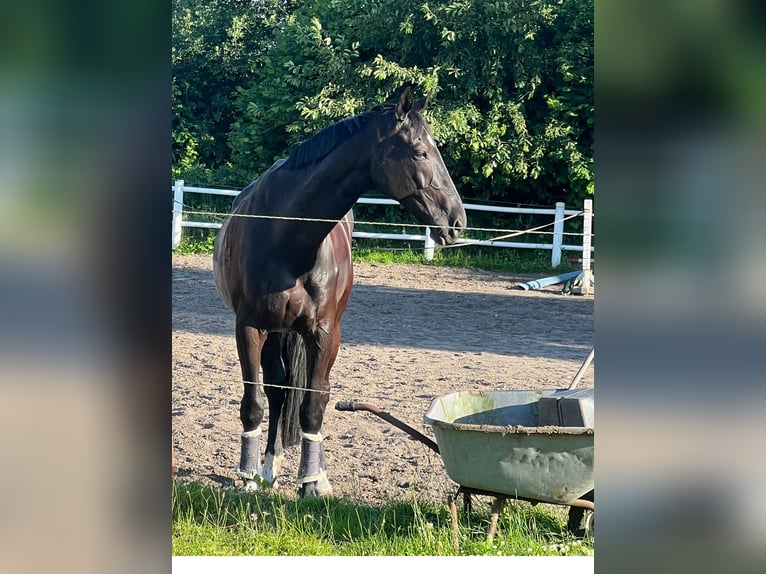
(513, 444)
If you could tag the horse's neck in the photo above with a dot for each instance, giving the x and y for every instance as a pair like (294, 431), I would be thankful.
(329, 188)
(333, 184)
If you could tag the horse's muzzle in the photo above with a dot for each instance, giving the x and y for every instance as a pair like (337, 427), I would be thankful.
(448, 235)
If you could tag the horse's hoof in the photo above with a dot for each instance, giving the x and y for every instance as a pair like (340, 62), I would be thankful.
(269, 482)
(323, 484)
(251, 486)
(309, 490)
(316, 488)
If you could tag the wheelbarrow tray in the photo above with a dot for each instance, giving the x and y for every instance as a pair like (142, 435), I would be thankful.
(490, 441)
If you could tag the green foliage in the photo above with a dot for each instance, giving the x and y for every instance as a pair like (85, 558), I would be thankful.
(511, 85)
(217, 46)
(196, 244)
(225, 522)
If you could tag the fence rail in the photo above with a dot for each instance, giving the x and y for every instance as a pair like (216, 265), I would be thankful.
(557, 246)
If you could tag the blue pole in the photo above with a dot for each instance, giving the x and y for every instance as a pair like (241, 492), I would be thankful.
(549, 280)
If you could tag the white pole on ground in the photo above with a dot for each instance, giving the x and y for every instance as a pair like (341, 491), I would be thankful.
(428, 246)
(558, 235)
(178, 205)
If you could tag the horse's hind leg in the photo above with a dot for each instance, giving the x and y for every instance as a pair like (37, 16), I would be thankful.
(312, 474)
(274, 376)
(249, 344)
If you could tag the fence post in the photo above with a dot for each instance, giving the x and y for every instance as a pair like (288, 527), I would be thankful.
(584, 284)
(178, 205)
(428, 246)
(558, 235)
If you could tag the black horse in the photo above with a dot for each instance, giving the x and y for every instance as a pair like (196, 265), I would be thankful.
(282, 263)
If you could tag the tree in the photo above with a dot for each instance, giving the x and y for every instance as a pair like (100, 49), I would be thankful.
(511, 84)
(217, 46)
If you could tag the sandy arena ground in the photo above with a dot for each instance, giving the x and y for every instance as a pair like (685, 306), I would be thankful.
(411, 333)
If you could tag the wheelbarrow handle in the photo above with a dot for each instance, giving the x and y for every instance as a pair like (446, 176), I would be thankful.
(345, 406)
(417, 435)
(581, 371)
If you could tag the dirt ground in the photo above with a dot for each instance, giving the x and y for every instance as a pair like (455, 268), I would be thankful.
(410, 334)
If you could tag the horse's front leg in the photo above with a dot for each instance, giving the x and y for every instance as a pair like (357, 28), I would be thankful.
(274, 379)
(249, 344)
(322, 348)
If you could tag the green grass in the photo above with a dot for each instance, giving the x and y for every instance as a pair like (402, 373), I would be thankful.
(196, 244)
(210, 521)
(397, 252)
(486, 258)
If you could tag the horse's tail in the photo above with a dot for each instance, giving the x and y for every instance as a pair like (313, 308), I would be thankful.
(294, 357)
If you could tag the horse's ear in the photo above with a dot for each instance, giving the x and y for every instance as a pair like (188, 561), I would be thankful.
(404, 105)
(421, 104)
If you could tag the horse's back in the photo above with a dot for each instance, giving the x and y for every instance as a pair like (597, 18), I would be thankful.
(253, 187)
(228, 243)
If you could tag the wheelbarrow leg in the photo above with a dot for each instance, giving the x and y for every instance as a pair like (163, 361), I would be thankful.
(497, 507)
(453, 512)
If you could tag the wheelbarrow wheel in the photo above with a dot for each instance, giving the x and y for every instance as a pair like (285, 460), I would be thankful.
(580, 520)
(589, 524)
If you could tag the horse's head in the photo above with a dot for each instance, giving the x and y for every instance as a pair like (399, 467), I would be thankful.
(408, 167)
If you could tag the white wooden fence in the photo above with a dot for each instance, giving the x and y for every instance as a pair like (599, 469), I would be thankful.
(559, 213)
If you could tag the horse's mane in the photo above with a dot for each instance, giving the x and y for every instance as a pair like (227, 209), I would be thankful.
(324, 141)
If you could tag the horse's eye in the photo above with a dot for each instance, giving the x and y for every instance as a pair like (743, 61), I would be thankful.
(422, 154)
